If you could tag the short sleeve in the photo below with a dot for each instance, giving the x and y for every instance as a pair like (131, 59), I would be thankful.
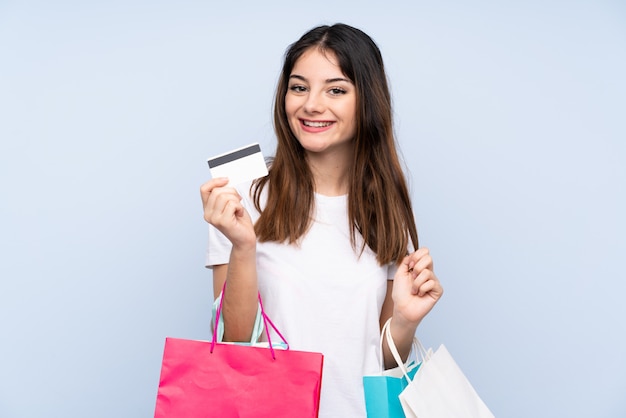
(218, 248)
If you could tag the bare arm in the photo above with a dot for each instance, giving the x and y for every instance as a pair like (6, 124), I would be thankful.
(239, 303)
(402, 335)
(410, 296)
(223, 209)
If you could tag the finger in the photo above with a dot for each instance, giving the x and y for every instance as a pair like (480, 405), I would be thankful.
(431, 288)
(407, 263)
(207, 188)
(219, 195)
(222, 205)
(232, 207)
(213, 183)
(424, 263)
(215, 206)
(417, 256)
(423, 282)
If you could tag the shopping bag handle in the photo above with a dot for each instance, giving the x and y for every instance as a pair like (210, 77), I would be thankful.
(266, 321)
(418, 348)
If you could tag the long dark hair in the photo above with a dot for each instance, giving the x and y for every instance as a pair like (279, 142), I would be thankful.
(379, 207)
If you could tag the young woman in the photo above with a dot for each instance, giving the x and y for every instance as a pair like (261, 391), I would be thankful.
(328, 237)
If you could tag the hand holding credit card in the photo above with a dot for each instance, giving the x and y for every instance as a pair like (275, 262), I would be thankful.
(239, 165)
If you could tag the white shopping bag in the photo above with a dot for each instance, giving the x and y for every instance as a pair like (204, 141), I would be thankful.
(439, 389)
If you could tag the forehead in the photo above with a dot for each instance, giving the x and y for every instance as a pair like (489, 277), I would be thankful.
(315, 62)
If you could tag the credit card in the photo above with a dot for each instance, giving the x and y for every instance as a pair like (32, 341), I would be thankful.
(240, 165)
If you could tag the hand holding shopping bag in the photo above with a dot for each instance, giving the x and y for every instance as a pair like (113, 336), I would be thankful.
(383, 389)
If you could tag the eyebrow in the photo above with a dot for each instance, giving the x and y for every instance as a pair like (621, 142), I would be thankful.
(328, 80)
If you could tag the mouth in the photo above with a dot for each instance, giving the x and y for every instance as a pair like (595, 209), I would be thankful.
(315, 124)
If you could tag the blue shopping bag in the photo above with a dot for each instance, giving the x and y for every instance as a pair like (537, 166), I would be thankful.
(383, 389)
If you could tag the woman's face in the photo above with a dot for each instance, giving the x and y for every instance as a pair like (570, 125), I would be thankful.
(321, 103)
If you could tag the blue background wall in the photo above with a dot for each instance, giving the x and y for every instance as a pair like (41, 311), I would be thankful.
(510, 116)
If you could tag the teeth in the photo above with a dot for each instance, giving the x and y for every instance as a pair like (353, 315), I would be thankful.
(316, 124)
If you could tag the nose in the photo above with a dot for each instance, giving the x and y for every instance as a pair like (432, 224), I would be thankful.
(314, 104)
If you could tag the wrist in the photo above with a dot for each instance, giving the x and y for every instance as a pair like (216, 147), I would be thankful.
(402, 325)
(243, 250)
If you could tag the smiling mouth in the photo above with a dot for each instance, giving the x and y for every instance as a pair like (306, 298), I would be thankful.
(314, 124)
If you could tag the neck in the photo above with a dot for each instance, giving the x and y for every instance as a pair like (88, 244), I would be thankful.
(330, 175)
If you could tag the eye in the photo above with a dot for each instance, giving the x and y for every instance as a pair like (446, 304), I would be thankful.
(336, 91)
(297, 88)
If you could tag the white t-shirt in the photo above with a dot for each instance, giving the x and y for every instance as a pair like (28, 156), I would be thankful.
(324, 298)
